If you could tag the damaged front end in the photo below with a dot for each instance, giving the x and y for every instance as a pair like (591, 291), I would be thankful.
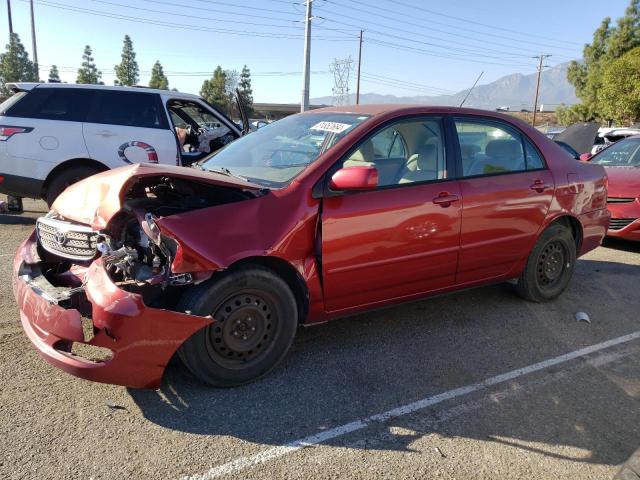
(101, 303)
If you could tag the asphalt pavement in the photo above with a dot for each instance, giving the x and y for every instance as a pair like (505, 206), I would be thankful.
(477, 384)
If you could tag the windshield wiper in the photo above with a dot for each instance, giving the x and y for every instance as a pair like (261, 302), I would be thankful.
(223, 171)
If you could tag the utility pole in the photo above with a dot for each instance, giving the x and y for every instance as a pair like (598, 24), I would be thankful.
(359, 65)
(535, 102)
(33, 38)
(304, 104)
(10, 22)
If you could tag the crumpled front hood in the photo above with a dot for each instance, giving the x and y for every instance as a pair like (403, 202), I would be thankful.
(624, 182)
(95, 200)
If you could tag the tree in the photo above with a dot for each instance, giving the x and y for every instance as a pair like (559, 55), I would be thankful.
(158, 78)
(609, 43)
(214, 90)
(231, 79)
(54, 76)
(246, 93)
(127, 73)
(15, 65)
(620, 92)
(88, 73)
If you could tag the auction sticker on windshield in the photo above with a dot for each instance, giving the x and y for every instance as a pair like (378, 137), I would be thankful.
(332, 127)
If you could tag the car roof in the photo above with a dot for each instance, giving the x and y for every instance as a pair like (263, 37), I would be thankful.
(28, 86)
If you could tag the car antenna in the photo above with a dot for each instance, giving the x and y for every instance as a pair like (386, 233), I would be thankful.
(471, 89)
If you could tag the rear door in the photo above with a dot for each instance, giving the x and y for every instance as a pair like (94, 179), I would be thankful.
(403, 238)
(129, 127)
(54, 116)
(507, 191)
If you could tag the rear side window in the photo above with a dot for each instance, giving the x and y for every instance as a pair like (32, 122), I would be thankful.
(131, 109)
(69, 105)
(489, 148)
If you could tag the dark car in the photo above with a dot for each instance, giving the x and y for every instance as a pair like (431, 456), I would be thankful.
(311, 218)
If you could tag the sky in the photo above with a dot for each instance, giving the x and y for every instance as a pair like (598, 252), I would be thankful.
(410, 47)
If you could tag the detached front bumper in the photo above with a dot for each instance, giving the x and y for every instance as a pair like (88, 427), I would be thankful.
(142, 339)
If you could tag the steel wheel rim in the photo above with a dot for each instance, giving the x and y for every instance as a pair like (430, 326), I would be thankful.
(551, 265)
(246, 323)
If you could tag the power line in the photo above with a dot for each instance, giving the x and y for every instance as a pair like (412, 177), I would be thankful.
(181, 27)
(493, 27)
(200, 17)
(217, 11)
(465, 52)
(407, 48)
(421, 33)
(72, 69)
(404, 82)
(405, 21)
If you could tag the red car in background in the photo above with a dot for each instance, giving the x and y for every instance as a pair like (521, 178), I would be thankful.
(314, 217)
(622, 164)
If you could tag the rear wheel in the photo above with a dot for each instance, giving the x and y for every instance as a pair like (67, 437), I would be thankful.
(550, 265)
(65, 178)
(255, 322)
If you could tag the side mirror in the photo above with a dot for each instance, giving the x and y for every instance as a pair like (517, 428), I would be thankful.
(585, 157)
(354, 178)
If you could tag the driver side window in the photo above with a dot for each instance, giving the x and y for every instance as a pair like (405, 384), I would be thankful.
(406, 152)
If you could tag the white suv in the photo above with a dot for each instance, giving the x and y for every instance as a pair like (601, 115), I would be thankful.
(52, 134)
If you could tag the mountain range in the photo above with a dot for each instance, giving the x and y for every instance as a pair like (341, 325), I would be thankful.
(515, 91)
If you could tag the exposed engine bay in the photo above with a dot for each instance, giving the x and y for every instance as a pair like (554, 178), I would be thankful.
(134, 252)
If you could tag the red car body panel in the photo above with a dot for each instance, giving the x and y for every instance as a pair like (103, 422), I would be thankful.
(349, 252)
(142, 339)
(624, 202)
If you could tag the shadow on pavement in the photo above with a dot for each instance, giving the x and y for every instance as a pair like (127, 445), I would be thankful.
(618, 244)
(9, 219)
(353, 368)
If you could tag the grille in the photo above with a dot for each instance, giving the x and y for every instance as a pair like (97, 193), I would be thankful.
(620, 223)
(619, 200)
(66, 240)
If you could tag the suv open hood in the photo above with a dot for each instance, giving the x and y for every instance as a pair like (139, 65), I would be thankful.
(95, 200)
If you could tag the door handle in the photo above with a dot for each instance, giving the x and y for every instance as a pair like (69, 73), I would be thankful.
(106, 133)
(539, 186)
(445, 199)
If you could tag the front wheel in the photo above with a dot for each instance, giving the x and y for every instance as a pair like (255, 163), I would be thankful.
(550, 265)
(256, 318)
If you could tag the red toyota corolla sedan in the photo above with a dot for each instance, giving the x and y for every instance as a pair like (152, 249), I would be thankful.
(622, 164)
(313, 217)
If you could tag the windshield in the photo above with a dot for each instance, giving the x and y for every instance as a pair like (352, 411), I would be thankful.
(275, 154)
(625, 153)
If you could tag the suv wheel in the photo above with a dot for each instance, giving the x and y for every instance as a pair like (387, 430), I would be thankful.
(65, 178)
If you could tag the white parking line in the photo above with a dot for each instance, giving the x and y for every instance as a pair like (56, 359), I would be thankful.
(243, 463)
(6, 254)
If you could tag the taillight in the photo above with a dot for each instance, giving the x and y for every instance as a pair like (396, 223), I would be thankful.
(7, 132)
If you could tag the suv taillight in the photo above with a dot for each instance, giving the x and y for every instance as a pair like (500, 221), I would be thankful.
(7, 132)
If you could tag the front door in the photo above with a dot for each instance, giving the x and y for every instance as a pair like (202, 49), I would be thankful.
(507, 192)
(401, 239)
(129, 127)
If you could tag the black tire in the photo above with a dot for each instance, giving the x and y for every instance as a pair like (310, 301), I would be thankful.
(550, 265)
(67, 177)
(256, 321)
